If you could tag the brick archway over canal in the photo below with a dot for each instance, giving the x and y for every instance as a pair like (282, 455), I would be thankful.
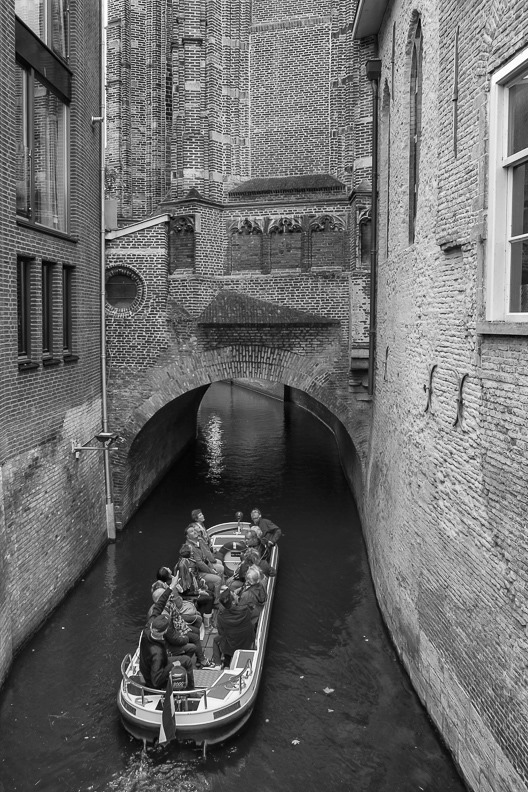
(153, 408)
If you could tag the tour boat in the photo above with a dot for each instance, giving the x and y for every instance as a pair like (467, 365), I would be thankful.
(222, 700)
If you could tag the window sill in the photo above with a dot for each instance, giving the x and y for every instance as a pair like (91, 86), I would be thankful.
(70, 359)
(27, 365)
(502, 328)
(45, 230)
(50, 362)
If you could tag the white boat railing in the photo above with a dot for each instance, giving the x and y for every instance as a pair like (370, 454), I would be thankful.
(240, 679)
(143, 689)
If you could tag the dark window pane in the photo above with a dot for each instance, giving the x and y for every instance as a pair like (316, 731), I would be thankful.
(23, 189)
(519, 277)
(121, 291)
(49, 158)
(67, 309)
(23, 306)
(365, 238)
(47, 20)
(33, 13)
(47, 309)
(518, 121)
(520, 200)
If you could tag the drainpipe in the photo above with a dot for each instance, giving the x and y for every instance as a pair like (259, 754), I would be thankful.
(373, 72)
(110, 520)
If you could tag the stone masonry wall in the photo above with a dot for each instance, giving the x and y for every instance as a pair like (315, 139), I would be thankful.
(445, 499)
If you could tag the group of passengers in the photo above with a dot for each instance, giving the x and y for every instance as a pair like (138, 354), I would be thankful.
(201, 594)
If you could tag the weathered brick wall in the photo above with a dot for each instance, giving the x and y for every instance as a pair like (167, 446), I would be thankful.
(52, 507)
(445, 499)
(286, 118)
(205, 97)
(140, 335)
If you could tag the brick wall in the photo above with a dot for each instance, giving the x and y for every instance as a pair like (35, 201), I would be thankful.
(445, 499)
(194, 93)
(52, 507)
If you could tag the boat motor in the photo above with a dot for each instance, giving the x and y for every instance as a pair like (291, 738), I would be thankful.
(178, 676)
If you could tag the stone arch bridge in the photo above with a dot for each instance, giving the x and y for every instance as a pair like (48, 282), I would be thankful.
(164, 350)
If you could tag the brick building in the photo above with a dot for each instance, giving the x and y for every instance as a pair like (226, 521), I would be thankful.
(52, 506)
(238, 161)
(446, 499)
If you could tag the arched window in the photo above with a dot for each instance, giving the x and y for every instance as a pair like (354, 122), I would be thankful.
(415, 127)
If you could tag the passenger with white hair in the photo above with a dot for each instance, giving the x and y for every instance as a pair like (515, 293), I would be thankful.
(253, 594)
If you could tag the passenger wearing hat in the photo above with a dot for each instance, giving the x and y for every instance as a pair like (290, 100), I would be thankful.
(155, 663)
(181, 638)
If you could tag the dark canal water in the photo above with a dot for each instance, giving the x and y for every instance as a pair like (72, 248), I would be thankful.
(335, 710)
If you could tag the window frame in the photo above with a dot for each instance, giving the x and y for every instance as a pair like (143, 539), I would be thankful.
(67, 310)
(500, 181)
(37, 62)
(48, 270)
(24, 330)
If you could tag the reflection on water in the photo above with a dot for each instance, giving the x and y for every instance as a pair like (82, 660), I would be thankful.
(212, 437)
(334, 712)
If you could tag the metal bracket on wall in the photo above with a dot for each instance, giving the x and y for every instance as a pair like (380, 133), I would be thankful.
(429, 388)
(105, 438)
(460, 400)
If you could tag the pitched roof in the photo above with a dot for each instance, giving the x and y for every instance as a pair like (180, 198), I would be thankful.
(235, 308)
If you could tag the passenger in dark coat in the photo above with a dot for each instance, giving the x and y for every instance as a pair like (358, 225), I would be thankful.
(253, 595)
(271, 533)
(155, 664)
(235, 629)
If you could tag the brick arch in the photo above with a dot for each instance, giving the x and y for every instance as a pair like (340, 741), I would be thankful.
(146, 448)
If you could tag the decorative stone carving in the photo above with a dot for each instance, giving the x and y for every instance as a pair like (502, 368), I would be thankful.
(364, 215)
(246, 225)
(182, 224)
(328, 222)
(281, 225)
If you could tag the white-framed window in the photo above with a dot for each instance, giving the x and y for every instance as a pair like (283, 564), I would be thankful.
(507, 257)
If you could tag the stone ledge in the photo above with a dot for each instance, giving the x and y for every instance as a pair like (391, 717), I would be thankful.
(502, 328)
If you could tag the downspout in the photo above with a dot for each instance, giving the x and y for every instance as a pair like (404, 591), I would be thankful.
(373, 72)
(110, 519)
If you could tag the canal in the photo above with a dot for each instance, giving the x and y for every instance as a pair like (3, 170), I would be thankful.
(335, 709)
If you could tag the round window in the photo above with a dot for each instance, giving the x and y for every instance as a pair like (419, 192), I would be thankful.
(121, 291)
(124, 290)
